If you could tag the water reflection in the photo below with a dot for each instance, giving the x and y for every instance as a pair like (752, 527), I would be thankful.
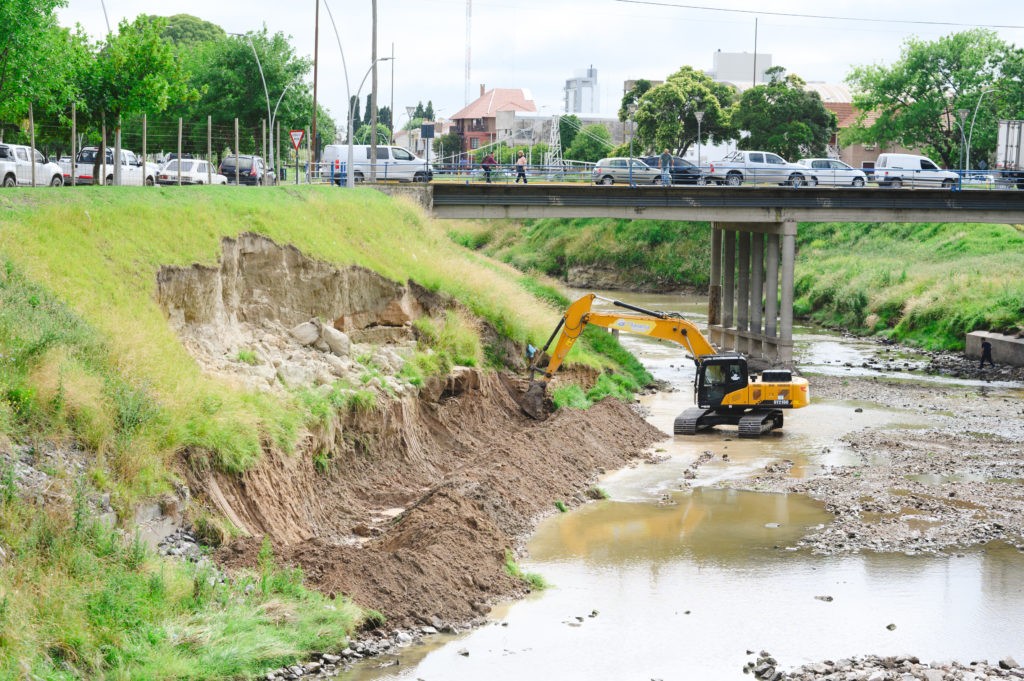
(724, 526)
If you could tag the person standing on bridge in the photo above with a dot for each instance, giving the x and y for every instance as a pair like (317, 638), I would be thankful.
(665, 163)
(521, 167)
(488, 165)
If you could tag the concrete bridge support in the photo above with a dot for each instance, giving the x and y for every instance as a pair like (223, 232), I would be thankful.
(750, 298)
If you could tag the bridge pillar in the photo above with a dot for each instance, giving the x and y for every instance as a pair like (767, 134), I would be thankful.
(715, 283)
(756, 275)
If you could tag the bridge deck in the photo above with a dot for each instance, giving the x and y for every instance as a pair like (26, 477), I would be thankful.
(726, 204)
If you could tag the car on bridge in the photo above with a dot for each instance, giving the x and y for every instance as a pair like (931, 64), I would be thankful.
(682, 171)
(625, 170)
(908, 170)
(758, 167)
(834, 172)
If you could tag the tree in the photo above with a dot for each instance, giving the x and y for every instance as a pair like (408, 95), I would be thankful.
(783, 117)
(428, 113)
(568, 127)
(591, 144)
(914, 101)
(187, 30)
(362, 135)
(665, 114)
(448, 146)
(135, 71)
(38, 59)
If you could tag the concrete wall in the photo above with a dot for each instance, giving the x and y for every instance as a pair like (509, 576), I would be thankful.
(1005, 349)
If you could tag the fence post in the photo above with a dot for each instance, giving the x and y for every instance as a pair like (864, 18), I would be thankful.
(236, 152)
(145, 168)
(179, 151)
(263, 180)
(32, 136)
(277, 156)
(102, 179)
(74, 140)
(209, 150)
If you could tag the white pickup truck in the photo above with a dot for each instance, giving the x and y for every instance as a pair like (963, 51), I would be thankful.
(758, 166)
(16, 161)
(133, 171)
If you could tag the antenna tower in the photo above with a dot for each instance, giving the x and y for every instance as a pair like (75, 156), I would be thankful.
(469, 35)
(554, 159)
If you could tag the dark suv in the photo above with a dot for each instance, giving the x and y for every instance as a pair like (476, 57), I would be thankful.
(682, 171)
(251, 170)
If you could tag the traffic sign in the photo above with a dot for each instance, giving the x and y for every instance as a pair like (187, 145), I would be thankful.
(296, 136)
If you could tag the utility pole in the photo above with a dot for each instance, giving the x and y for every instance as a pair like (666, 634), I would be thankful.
(373, 100)
(316, 50)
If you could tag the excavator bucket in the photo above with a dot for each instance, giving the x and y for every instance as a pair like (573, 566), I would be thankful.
(532, 401)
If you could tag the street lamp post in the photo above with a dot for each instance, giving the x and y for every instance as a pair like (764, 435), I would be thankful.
(970, 133)
(349, 174)
(962, 113)
(266, 93)
(699, 115)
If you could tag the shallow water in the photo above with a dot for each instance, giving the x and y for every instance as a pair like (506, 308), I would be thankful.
(673, 579)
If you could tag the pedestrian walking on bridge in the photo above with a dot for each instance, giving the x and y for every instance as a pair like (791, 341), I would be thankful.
(521, 168)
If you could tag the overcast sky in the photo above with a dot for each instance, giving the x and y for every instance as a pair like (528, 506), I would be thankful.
(538, 44)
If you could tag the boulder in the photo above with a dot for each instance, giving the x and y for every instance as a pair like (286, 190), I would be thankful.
(338, 341)
(306, 333)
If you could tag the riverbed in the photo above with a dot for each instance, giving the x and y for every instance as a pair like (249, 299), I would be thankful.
(686, 571)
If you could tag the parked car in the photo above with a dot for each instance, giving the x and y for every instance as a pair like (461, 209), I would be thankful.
(625, 170)
(682, 171)
(193, 171)
(251, 170)
(133, 171)
(898, 170)
(16, 163)
(393, 163)
(832, 172)
(758, 166)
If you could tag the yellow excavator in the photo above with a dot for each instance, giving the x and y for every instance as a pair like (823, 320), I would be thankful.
(724, 392)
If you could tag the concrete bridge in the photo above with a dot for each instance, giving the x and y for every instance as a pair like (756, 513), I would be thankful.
(753, 233)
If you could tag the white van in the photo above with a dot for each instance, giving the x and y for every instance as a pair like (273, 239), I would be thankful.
(899, 170)
(393, 163)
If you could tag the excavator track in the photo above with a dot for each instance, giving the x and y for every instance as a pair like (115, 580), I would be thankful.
(759, 422)
(690, 421)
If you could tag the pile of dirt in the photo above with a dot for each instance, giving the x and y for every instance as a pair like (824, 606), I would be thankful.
(409, 505)
(484, 474)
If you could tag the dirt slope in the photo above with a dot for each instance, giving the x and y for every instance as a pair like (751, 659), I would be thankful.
(474, 474)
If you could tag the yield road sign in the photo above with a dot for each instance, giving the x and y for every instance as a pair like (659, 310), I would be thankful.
(296, 136)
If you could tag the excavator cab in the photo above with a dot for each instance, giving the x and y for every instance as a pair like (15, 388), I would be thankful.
(717, 376)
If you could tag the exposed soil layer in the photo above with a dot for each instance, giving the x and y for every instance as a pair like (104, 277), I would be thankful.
(474, 475)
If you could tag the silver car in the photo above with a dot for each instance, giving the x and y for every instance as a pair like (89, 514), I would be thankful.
(623, 170)
(832, 172)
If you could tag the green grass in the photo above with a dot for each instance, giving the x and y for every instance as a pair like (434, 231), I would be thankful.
(535, 580)
(88, 357)
(79, 601)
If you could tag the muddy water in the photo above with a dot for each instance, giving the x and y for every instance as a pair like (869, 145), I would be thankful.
(671, 578)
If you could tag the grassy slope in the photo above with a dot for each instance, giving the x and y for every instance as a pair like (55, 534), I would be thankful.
(88, 358)
(924, 283)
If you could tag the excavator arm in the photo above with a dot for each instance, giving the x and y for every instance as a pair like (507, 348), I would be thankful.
(666, 326)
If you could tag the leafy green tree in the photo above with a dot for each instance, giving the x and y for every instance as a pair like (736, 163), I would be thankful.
(631, 99)
(784, 117)
(568, 127)
(188, 30)
(914, 101)
(384, 116)
(448, 146)
(420, 112)
(362, 135)
(135, 71)
(39, 60)
(665, 115)
(428, 113)
(591, 144)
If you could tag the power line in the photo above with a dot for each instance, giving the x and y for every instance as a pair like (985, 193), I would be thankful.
(815, 16)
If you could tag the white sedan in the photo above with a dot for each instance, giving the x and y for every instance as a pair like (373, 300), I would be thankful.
(832, 172)
(193, 171)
